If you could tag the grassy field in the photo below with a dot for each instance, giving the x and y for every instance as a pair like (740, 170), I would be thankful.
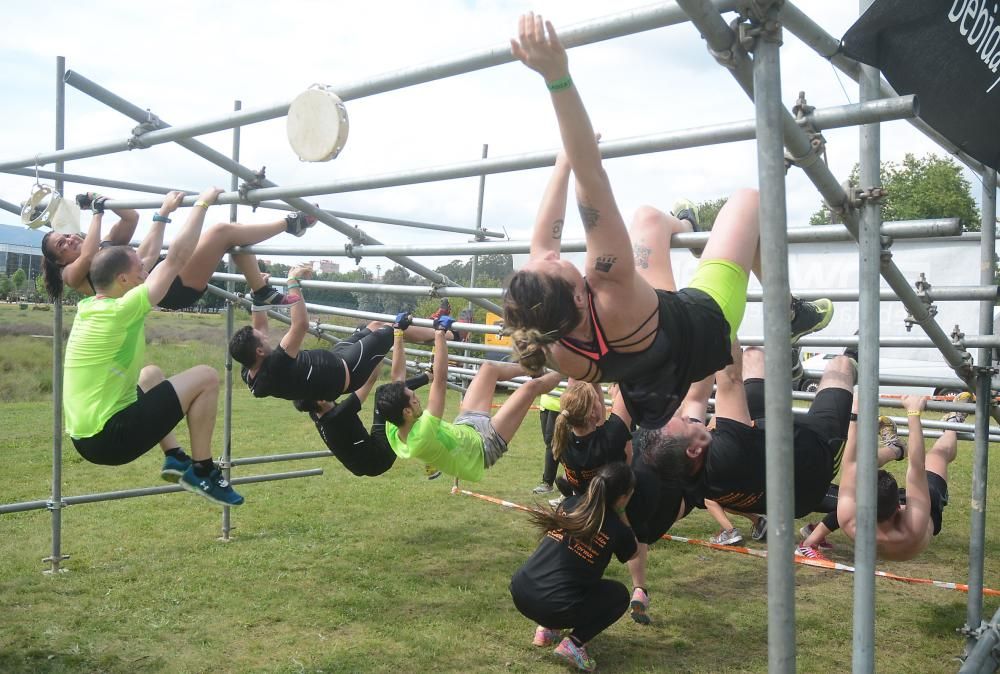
(389, 574)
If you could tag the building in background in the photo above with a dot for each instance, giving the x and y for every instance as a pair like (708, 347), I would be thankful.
(21, 248)
(326, 267)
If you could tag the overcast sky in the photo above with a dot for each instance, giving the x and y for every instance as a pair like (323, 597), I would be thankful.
(190, 62)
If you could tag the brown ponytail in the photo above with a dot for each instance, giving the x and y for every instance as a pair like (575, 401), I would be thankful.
(51, 270)
(538, 309)
(585, 521)
(576, 404)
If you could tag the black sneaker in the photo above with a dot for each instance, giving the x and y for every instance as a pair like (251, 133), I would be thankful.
(298, 222)
(797, 371)
(684, 209)
(810, 317)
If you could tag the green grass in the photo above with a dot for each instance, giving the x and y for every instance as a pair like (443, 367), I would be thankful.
(389, 574)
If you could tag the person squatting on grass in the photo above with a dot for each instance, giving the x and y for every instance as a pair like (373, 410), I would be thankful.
(474, 442)
(68, 257)
(623, 321)
(293, 373)
(906, 519)
(364, 452)
(561, 586)
(115, 409)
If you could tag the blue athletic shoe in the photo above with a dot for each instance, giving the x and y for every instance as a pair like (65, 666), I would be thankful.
(173, 467)
(213, 486)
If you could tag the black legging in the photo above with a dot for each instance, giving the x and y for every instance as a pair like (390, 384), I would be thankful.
(548, 419)
(362, 352)
(597, 609)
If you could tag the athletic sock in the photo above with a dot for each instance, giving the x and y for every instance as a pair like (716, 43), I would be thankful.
(203, 468)
(177, 453)
(262, 292)
(576, 641)
(640, 587)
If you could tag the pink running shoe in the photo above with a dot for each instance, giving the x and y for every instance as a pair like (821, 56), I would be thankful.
(810, 553)
(639, 606)
(546, 637)
(575, 655)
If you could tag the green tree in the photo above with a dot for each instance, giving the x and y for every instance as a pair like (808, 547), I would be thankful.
(18, 279)
(708, 211)
(920, 188)
(6, 286)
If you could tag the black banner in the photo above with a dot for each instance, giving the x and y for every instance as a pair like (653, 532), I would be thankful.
(947, 52)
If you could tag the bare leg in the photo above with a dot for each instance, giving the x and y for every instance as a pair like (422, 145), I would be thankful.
(479, 397)
(216, 241)
(198, 392)
(753, 363)
(718, 514)
(839, 373)
(818, 535)
(943, 452)
(637, 566)
(247, 265)
(736, 233)
(695, 403)
(650, 232)
(149, 377)
(511, 414)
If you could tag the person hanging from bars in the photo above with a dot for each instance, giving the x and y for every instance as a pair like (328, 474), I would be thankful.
(290, 372)
(67, 258)
(727, 464)
(363, 451)
(475, 441)
(561, 586)
(906, 519)
(116, 410)
(623, 321)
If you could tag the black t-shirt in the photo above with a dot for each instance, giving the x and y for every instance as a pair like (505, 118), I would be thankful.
(562, 568)
(734, 474)
(655, 504)
(348, 439)
(315, 374)
(584, 455)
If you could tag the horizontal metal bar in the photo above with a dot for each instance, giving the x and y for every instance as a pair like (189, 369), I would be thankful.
(977, 341)
(274, 458)
(9, 207)
(906, 380)
(846, 115)
(625, 23)
(936, 294)
(150, 491)
(471, 346)
(915, 229)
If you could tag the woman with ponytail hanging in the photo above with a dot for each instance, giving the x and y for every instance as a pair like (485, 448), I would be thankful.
(561, 586)
(583, 441)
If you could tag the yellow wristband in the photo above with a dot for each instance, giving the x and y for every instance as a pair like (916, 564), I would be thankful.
(914, 413)
(397, 333)
(203, 204)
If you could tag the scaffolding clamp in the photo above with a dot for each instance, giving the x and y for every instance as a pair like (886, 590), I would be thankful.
(349, 251)
(973, 632)
(730, 57)
(152, 123)
(958, 337)
(437, 285)
(873, 195)
(223, 463)
(255, 183)
(55, 505)
(923, 294)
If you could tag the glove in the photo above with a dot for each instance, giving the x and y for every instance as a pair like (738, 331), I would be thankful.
(98, 204)
(403, 320)
(86, 200)
(443, 322)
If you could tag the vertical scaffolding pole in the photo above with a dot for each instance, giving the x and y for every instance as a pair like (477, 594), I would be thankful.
(777, 391)
(868, 353)
(55, 505)
(227, 427)
(479, 228)
(980, 466)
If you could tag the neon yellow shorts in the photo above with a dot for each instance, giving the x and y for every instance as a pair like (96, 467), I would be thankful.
(726, 283)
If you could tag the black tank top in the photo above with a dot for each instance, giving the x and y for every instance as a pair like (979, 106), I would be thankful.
(604, 363)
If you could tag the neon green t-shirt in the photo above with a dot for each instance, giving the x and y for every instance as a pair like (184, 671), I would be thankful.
(549, 402)
(104, 355)
(453, 449)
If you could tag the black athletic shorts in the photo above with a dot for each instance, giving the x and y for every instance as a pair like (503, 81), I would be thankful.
(937, 487)
(829, 415)
(179, 296)
(135, 430)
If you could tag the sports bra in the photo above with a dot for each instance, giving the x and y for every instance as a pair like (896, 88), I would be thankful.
(604, 363)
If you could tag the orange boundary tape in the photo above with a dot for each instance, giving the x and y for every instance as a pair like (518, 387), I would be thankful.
(799, 559)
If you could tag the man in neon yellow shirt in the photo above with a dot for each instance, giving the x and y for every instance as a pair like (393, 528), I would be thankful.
(116, 409)
(474, 442)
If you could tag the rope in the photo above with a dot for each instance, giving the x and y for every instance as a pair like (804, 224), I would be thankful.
(762, 554)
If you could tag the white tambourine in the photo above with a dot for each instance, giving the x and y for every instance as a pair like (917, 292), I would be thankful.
(46, 207)
(317, 124)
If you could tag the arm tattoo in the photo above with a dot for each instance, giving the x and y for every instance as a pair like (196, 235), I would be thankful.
(557, 228)
(641, 253)
(589, 216)
(605, 263)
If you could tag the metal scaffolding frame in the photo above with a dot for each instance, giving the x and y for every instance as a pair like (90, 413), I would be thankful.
(755, 64)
